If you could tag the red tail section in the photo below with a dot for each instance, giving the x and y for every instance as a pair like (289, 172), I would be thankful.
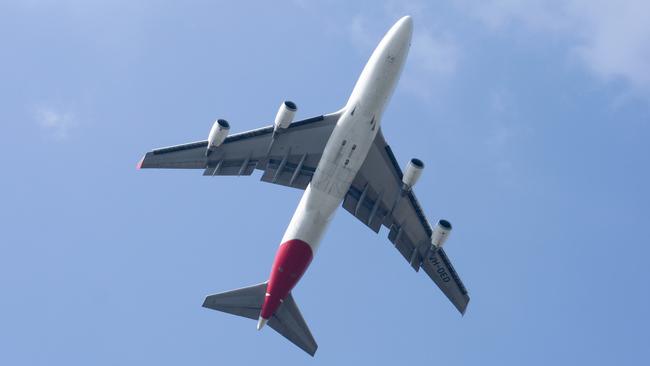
(291, 262)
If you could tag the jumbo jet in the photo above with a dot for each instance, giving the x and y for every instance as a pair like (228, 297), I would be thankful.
(337, 158)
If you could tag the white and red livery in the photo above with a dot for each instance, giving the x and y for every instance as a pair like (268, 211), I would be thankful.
(338, 158)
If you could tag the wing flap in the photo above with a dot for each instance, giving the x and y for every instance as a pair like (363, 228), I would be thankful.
(366, 205)
(230, 167)
(291, 171)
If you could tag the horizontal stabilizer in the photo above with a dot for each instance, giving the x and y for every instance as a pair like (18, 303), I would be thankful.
(247, 302)
(289, 322)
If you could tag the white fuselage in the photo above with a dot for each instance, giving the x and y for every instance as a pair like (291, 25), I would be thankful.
(352, 137)
(342, 157)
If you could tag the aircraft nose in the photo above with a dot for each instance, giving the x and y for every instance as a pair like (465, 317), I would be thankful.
(406, 22)
(405, 27)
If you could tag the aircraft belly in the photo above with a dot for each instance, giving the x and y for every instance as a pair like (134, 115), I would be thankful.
(348, 145)
(342, 158)
(339, 163)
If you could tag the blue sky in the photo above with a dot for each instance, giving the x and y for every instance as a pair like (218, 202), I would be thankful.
(533, 120)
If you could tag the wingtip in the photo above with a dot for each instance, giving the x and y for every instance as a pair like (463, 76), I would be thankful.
(463, 309)
(139, 165)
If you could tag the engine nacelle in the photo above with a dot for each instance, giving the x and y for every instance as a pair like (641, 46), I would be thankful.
(440, 234)
(412, 174)
(285, 114)
(218, 134)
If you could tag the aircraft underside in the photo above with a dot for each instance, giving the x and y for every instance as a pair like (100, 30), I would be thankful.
(339, 159)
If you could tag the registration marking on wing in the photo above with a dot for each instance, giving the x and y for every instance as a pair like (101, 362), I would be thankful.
(440, 268)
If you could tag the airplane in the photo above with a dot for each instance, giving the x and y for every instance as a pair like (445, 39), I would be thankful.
(337, 158)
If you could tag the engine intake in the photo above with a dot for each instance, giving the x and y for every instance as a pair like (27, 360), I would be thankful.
(285, 114)
(440, 234)
(412, 174)
(218, 134)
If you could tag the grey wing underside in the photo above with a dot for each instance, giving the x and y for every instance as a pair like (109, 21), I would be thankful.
(376, 198)
(287, 158)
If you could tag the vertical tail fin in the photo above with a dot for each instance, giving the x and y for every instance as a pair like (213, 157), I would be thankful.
(247, 302)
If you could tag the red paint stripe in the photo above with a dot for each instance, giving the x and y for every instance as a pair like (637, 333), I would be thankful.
(291, 262)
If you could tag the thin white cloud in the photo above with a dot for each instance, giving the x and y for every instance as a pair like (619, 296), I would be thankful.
(55, 124)
(398, 8)
(536, 14)
(359, 33)
(503, 130)
(611, 38)
(436, 55)
(617, 39)
(433, 55)
(499, 109)
(433, 59)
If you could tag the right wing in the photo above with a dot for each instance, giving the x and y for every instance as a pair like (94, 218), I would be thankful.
(376, 198)
(287, 158)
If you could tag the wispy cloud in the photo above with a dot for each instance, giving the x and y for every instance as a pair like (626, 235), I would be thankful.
(502, 132)
(359, 33)
(433, 55)
(535, 14)
(612, 39)
(617, 40)
(54, 123)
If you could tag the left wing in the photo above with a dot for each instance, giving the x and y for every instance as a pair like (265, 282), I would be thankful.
(287, 158)
(376, 197)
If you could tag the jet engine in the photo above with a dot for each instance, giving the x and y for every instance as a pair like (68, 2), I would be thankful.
(218, 134)
(285, 114)
(440, 234)
(412, 174)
